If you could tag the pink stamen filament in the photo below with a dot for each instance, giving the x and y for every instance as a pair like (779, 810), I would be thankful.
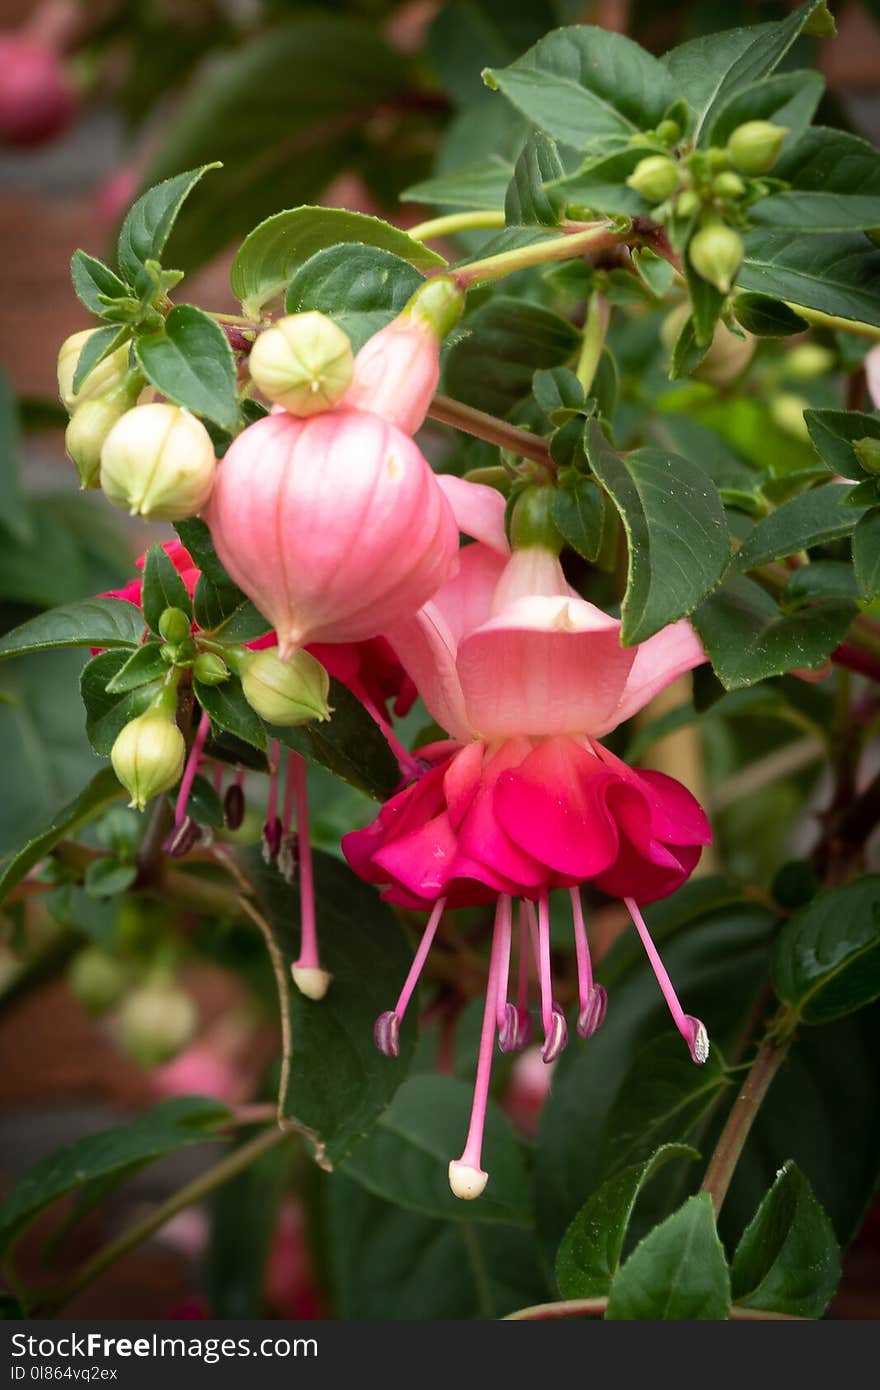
(308, 956)
(420, 957)
(272, 804)
(503, 923)
(192, 767)
(287, 808)
(409, 766)
(679, 1018)
(473, 1149)
(543, 962)
(522, 985)
(582, 949)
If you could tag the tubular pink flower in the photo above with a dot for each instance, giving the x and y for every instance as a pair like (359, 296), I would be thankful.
(335, 525)
(396, 373)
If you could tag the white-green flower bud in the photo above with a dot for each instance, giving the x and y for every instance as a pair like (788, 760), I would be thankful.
(787, 411)
(669, 132)
(867, 451)
(92, 422)
(655, 178)
(754, 147)
(716, 253)
(155, 1022)
(727, 184)
(158, 462)
(97, 979)
(727, 356)
(304, 363)
(285, 692)
(687, 203)
(174, 626)
(808, 361)
(148, 756)
(100, 379)
(210, 669)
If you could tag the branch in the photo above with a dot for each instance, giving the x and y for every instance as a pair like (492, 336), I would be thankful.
(494, 431)
(771, 1055)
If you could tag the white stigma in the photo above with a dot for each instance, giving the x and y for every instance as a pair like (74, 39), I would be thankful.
(466, 1182)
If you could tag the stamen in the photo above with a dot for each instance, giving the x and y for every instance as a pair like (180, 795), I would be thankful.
(543, 962)
(410, 767)
(288, 857)
(386, 1033)
(506, 1028)
(183, 838)
(592, 1015)
(192, 767)
(272, 825)
(233, 806)
(691, 1029)
(308, 975)
(556, 1038)
(524, 1017)
(592, 998)
(386, 1030)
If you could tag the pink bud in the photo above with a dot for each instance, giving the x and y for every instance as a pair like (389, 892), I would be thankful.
(334, 525)
(36, 98)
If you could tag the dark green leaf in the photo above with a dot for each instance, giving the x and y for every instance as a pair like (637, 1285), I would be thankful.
(162, 588)
(766, 317)
(600, 183)
(93, 622)
(92, 280)
(350, 744)
(866, 554)
(837, 274)
(834, 432)
(101, 792)
(527, 200)
(100, 345)
(821, 579)
(482, 184)
(676, 1273)
(107, 712)
(361, 287)
(113, 1154)
(706, 304)
(145, 665)
(813, 518)
(670, 508)
(269, 256)
(827, 958)
(106, 878)
(227, 709)
(506, 341)
(835, 185)
(582, 84)
(589, 1256)
(148, 224)
(687, 354)
(558, 393)
(787, 1260)
(788, 99)
(579, 512)
(192, 364)
(748, 639)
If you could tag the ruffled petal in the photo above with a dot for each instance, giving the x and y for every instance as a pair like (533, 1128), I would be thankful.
(553, 806)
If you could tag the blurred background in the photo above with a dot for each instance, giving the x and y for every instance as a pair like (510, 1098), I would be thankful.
(340, 103)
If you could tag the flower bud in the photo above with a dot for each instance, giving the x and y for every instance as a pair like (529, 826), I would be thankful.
(148, 756)
(808, 361)
(174, 626)
(210, 669)
(727, 356)
(715, 253)
(36, 98)
(656, 177)
(155, 1022)
(285, 692)
(304, 363)
(100, 380)
(727, 184)
(867, 451)
(158, 462)
(687, 203)
(754, 147)
(532, 522)
(669, 132)
(787, 411)
(92, 422)
(97, 979)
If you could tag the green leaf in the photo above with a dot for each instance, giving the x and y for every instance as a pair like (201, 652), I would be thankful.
(834, 432)
(245, 1218)
(787, 1260)
(339, 1083)
(767, 317)
(600, 183)
(708, 71)
(589, 1256)
(109, 1157)
(106, 878)
(527, 202)
(267, 258)
(107, 711)
(93, 622)
(480, 185)
(582, 84)
(162, 588)
(788, 99)
(94, 282)
(579, 512)
(100, 345)
(747, 638)
(835, 185)
(227, 709)
(812, 518)
(14, 518)
(192, 364)
(826, 962)
(687, 354)
(350, 744)
(102, 791)
(676, 1273)
(866, 554)
(362, 288)
(148, 223)
(506, 341)
(676, 532)
(821, 579)
(706, 304)
(145, 665)
(406, 1157)
(836, 274)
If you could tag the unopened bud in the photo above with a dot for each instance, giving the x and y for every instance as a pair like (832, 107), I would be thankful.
(148, 756)
(532, 521)
(787, 411)
(174, 626)
(155, 1022)
(304, 363)
(867, 451)
(210, 669)
(97, 979)
(808, 361)
(655, 178)
(100, 379)
(158, 462)
(669, 132)
(90, 426)
(727, 184)
(285, 692)
(687, 203)
(754, 147)
(716, 253)
(727, 356)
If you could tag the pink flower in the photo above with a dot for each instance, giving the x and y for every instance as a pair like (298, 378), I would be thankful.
(334, 525)
(181, 560)
(527, 677)
(36, 98)
(872, 372)
(396, 373)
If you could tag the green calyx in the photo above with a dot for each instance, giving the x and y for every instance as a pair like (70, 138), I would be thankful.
(439, 303)
(531, 522)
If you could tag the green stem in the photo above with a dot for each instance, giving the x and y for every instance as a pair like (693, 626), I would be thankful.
(820, 320)
(457, 222)
(488, 427)
(595, 1307)
(770, 1056)
(593, 340)
(598, 237)
(200, 1187)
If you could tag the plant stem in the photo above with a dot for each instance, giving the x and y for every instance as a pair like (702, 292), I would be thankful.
(457, 222)
(228, 1167)
(771, 1054)
(820, 320)
(595, 1307)
(597, 237)
(484, 426)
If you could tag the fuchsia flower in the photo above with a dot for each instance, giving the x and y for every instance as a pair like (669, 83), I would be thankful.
(527, 677)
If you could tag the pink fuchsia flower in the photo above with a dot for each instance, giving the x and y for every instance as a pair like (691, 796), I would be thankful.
(181, 560)
(334, 525)
(872, 372)
(37, 99)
